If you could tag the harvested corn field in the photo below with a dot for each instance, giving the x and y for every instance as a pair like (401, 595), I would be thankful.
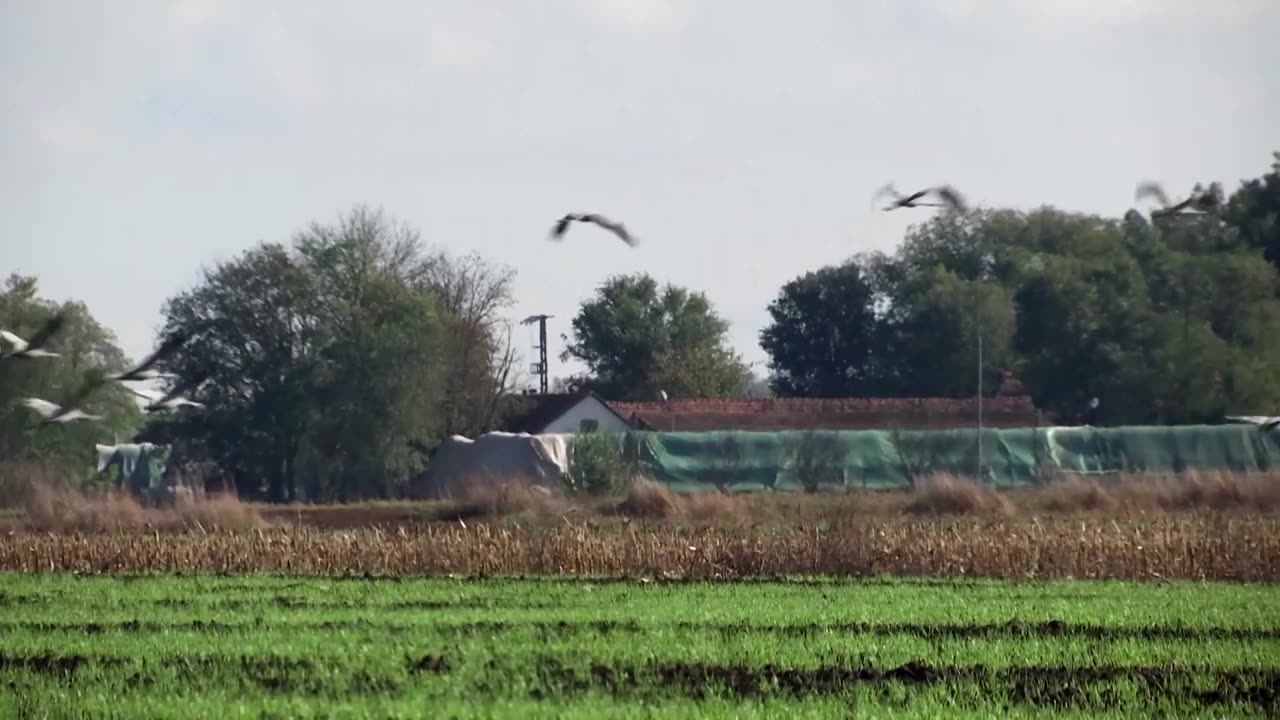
(1199, 547)
(271, 646)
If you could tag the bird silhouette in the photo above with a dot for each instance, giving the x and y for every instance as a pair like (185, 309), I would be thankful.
(69, 409)
(949, 196)
(172, 399)
(163, 401)
(145, 370)
(34, 348)
(617, 228)
(1199, 201)
(54, 413)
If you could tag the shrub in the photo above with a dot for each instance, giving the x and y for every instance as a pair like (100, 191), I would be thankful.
(948, 495)
(57, 506)
(596, 465)
(480, 500)
(1076, 494)
(648, 499)
(654, 500)
(816, 461)
(710, 505)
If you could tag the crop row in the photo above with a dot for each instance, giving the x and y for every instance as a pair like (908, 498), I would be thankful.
(1205, 547)
(281, 646)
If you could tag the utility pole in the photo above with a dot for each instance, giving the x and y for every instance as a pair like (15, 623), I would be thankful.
(540, 367)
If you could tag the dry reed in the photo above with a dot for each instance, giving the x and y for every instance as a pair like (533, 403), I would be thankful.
(1145, 494)
(648, 499)
(499, 500)
(58, 507)
(653, 500)
(949, 495)
(1200, 547)
(1075, 494)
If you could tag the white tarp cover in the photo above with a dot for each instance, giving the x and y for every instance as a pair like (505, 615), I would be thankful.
(493, 459)
(140, 465)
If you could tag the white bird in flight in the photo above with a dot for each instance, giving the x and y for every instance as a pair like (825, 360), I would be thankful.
(1266, 422)
(26, 350)
(54, 413)
(161, 401)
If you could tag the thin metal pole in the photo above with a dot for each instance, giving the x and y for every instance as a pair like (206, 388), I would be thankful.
(541, 347)
(542, 354)
(977, 315)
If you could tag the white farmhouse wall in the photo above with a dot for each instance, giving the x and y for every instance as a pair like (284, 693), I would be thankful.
(587, 408)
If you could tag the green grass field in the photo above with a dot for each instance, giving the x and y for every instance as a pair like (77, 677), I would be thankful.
(265, 646)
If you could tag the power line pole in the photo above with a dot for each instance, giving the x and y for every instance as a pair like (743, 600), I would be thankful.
(540, 367)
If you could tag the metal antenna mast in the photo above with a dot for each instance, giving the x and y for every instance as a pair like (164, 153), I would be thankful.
(540, 367)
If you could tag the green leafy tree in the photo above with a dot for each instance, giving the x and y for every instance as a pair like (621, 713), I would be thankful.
(1167, 318)
(933, 331)
(1254, 209)
(324, 363)
(637, 340)
(258, 349)
(382, 364)
(822, 337)
(83, 347)
(1085, 331)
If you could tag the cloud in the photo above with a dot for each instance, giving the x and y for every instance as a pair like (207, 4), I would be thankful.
(288, 60)
(60, 130)
(639, 14)
(200, 14)
(1102, 12)
(455, 47)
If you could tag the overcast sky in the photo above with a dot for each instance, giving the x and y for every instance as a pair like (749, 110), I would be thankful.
(741, 141)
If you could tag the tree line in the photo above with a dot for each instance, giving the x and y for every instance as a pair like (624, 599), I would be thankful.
(331, 366)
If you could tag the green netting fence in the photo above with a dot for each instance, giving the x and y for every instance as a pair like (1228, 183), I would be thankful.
(743, 461)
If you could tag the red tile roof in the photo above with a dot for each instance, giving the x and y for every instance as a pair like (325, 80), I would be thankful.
(828, 413)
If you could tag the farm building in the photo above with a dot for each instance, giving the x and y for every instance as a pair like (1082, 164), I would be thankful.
(555, 413)
(771, 414)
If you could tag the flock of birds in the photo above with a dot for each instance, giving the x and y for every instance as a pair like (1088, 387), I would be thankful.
(72, 408)
(1198, 203)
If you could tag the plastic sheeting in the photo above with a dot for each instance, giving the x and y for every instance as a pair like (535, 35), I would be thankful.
(886, 458)
(140, 467)
(495, 458)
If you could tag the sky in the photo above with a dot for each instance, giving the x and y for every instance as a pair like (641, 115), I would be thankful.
(741, 142)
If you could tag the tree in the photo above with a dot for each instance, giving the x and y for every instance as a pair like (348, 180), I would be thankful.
(822, 338)
(84, 347)
(1254, 209)
(383, 362)
(932, 332)
(637, 340)
(471, 294)
(1170, 318)
(325, 358)
(257, 348)
(1086, 330)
